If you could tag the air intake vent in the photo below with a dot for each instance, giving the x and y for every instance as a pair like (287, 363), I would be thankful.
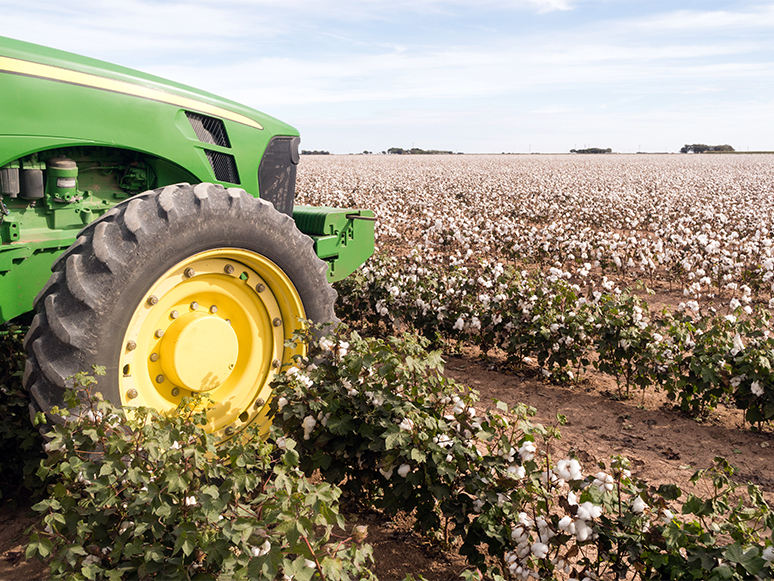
(224, 166)
(277, 173)
(208, 129)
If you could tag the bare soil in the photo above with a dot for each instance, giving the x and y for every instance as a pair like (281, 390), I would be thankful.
(663, 445)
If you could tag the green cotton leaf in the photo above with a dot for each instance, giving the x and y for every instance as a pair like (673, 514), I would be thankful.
(91, 571)
(38, 546)
(268, 566)
(669, 491)
(298, 571)
(417, 455)
(163, 511)
(332, 568)
(210, 490)
(176, 482)
(396, 439)
(749, 560)
(693, 505)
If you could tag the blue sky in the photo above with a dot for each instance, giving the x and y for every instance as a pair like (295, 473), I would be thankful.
(465, 75)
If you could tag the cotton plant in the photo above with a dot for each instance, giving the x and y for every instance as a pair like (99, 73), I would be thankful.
(154, 496)
(399, 437)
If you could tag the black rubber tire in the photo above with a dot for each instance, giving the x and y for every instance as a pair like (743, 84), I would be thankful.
(83, 311)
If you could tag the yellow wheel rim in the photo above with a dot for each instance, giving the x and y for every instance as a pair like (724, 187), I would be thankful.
(216, 324)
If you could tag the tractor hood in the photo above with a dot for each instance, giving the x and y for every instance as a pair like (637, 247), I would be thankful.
(33, 60)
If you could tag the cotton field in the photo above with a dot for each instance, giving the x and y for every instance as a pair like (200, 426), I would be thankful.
(700, 223)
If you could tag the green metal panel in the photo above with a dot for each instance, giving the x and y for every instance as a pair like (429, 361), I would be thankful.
(343, 237)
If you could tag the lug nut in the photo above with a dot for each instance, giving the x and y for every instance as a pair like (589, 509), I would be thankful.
(260, 402)
(213, 309)
(131, 394)
(229, 431)
(194, 306)
(275, 363)
(260, 287)
(277, 322)
(159, 379)
(154, 357)
(131, 345)
(159, 333)
(175, 392)
(152, 300)
(189, 272)
(229, 269)
(174, 314)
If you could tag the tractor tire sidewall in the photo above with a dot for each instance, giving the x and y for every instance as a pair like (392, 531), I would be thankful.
(175, 224)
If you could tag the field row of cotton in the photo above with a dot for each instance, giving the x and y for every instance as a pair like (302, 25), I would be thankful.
(700, 223)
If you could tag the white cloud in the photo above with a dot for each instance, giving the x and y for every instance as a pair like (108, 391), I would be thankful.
(761, 17)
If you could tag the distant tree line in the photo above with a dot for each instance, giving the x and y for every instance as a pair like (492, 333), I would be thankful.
(702, 148)
(592, 150)
(315, 152)
(417, 151)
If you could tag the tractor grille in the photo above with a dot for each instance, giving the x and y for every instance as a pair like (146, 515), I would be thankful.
(224, 166)
(277, 173)
(208, 129)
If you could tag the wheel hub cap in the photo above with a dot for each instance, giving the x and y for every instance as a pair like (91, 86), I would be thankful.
(199, 352)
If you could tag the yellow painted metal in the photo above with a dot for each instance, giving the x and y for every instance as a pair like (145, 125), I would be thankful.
(199, 351)
(215, 323)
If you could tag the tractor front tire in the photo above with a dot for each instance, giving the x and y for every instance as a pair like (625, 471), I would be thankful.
(181, 290)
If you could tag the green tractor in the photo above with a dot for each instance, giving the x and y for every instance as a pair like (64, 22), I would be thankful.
(152, 229)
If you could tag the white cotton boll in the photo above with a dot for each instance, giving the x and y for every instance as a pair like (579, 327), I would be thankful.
(262, 550)
(604, 482)
(540, 550)
(638, 506)
(527, 451)
(667, 516)
(308, 424)
(516, 471)
(406, 425)
(386, 473)
(189, 501)
(768, 554)
(326, 344)
(582, 530)
(403, 470)
(738, 345)
(572, 499)
(310, 564)
(522, 550)
(756, 389)
(569, 469)
(589, 511)
(525, 520)
(281, 403)
(175, 446)
(567, 525)
(519, 535)
(478, 504)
